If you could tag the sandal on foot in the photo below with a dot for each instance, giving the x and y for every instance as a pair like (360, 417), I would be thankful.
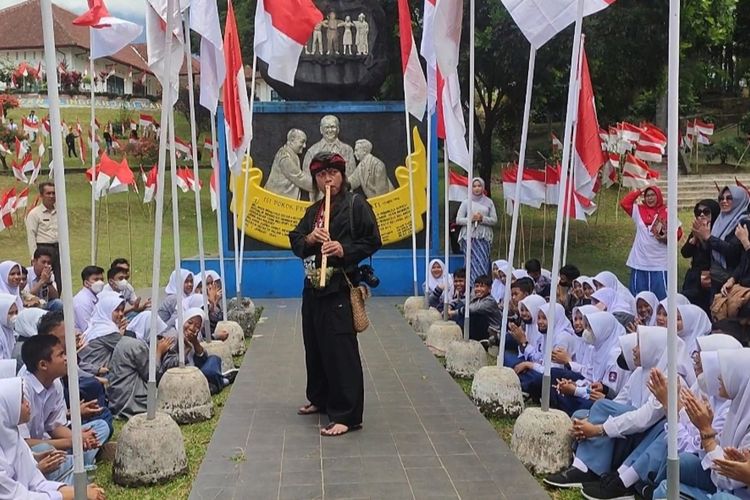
(326, 431)
(308, 409)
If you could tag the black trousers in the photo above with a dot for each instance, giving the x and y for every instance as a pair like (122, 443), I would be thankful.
(55, 249)
(334, 369)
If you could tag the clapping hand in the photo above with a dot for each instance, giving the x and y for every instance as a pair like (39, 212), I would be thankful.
(699, 411)
(735, 465)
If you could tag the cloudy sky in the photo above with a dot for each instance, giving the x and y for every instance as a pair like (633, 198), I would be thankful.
(133, 10)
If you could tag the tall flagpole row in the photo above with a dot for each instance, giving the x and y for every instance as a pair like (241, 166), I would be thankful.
(427, 269)
(517, 203)
(472, 111)
(93, 156)
(219, 221)
(176, 237)
(245, 187)
(410, 166)
(194, 144)
(556, 254)
(446, 231)
(50, 60)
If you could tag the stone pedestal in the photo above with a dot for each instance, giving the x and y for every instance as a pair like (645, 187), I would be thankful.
(542, 441)
(149, 451)
(424, 319)
(411, 306)
(440, 335)
(236, 337)
(221, 349)
(242, 311)
(496, 390)
(184, 395)
(465, 358)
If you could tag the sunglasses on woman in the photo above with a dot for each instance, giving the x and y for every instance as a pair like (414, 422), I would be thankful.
(702, 211)
(726, 197)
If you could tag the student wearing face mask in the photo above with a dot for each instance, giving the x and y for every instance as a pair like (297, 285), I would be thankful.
(117, 281)
(8, 313)
(84, 301)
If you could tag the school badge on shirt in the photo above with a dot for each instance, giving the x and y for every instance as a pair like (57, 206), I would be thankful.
(613, 377)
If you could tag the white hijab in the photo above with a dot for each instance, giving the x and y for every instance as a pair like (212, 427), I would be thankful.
(141, 325)
(653, 354)
(11, 442)
(652, 300)
(709, 345)
(433, 282)
(7, 335)
(625, 301)
(5, 268)
(27, 321)
(584, 310)
(562, 331)
(498, 287)
(101, 323)
(175, 285)
(192, 301)
(209, 274)
(532, 303)
(695, 323)
(736, 377)
(519, 273)
(607, 332)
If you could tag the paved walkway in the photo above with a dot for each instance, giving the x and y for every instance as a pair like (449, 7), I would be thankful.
(422, 437)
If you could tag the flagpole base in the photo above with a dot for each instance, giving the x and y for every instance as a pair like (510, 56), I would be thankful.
(673, 478)
(80, 485)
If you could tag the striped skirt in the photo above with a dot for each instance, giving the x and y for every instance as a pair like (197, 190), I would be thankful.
(480, 259)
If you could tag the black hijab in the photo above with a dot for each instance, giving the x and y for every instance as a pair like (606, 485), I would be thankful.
(712, 205)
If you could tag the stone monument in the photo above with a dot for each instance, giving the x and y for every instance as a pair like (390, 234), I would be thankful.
(370, 175)
(287, 177)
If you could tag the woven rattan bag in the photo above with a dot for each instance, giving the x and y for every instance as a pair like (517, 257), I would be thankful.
(357, 296)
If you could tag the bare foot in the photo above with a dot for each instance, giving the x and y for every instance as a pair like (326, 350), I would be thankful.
(334, 429)
(308, 409)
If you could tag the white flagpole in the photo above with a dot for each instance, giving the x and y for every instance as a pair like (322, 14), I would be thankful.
(517, 204)
(93, 156)
(673, 460)
(176, 237)
(50, 60)
(219, 221)
(569, 190)
(428, 212)
(246, 188)
(546, 381)
(410, 166)
(159, 211)
(446, 231)
(469, 224)
(196, 174)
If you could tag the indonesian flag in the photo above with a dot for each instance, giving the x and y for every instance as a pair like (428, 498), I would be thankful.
(609, 172)
(589, 156)
(629, 132)
(427, 49)
(237, 108)
(636, 174)
(652, 137)
(647, 152)
(186, 181)
(577, 205)
(7, 207)
(106, 171)
(447, 37)
(149, 184)
(22, 199)
(109, 34)
(556, 144)
(34, 168)
(183, 148)
(457, 186)
(207, 144)
(46, 127)
(133, 125)
(82, 145)
(146, 121)
(29, 127)
(21, 148)
(551, 184)
(604, 137)
(702, 139)
(156, 16)
(704, 128)
(213, 184)
(204, 20)
(533, 187)
(540, 20)
(41, 149)
(18, 170)
(123, 178)
(282, 28)
(415, 86)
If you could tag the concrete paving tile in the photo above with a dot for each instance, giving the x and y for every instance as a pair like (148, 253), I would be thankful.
(301, 492)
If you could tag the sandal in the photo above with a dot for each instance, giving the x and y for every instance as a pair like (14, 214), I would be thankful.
(308, 409)
(326, 431)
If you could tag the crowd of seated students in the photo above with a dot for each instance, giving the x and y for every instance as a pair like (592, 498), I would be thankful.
(112, 328)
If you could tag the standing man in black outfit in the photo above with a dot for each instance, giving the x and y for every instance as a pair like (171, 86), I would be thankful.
(335, 383)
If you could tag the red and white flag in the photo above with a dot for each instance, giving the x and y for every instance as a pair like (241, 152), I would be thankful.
(34, 169)
(204, 19)
(628, 132)
(457, 186)
(213, 184)
(415, 85)
(427, 49)
(447, 37)
(146, 121)
(704, 128)
(556, 144)
(156, 47)
(106, 171)
(18, 169)
(648, 152)
(30, 127)
(533, 187)
(82, 145)
(282, 28)
(22, 200)
(237, 107)
(149, 184)
(540, 20)
(207, 144)
(123, 178)
(636, 173)
(589, 156)
(7, 207)
(21, 148)
(186, 181)
(46, 127)
(183, 148)
(654, 138)
(109, 34)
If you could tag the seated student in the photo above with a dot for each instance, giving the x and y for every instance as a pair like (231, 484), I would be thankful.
(20, 475)
(117, 281)
(483, 311)
(711, 476)
(45, 360)
(179, 288)
(8, 314)
(195, 354)
(645, 467)
(128, 373)
(90, 388)
(631, 418)
(24, 327)
(41, 282)
(568, 274)
(84, 301)
(456, 299)
(646, 304)
(692, 323)
(542, 283)
(434, 286)
(525, 334)
(624, 299)
(214, 292)
(606, 299)
(501, 269)
(602, 377)
(105, 329)
(26, 297)
(519, 290)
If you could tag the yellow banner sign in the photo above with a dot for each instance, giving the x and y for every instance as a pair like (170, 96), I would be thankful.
(268, 217)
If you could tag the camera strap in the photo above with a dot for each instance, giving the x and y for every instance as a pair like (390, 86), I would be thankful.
(351, 219)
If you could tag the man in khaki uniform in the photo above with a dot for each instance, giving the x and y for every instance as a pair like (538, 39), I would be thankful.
(41, 228)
